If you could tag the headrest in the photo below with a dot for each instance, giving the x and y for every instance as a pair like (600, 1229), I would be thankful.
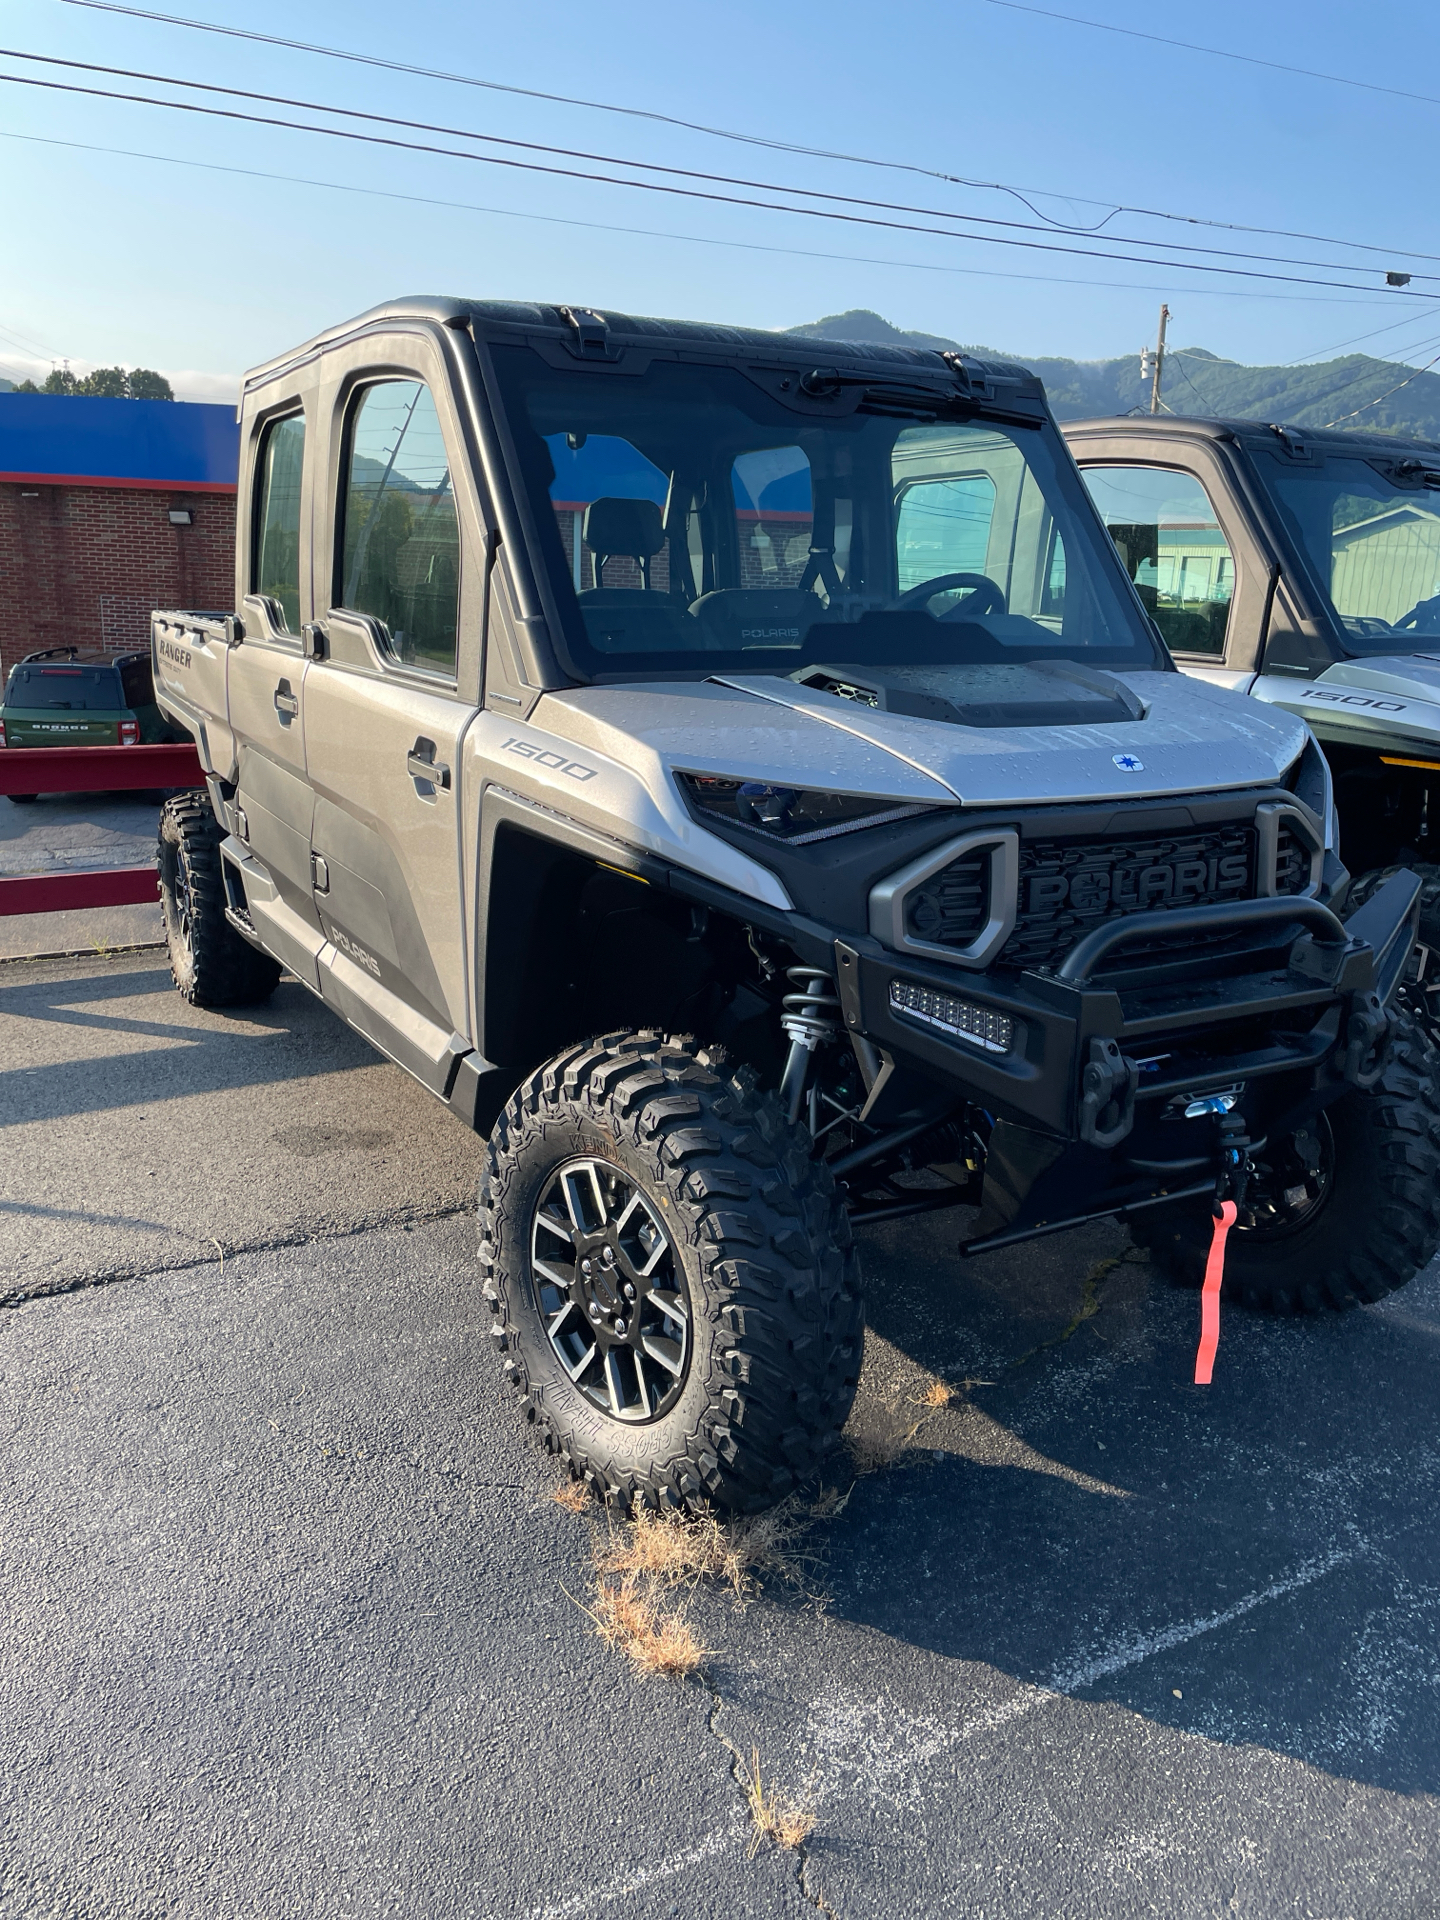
(631, 527)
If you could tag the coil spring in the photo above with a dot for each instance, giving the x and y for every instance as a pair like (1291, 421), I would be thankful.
(806, 1014)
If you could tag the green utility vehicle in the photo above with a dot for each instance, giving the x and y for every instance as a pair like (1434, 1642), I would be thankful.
(62, 697)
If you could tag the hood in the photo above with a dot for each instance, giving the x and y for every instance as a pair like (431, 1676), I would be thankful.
(1155, 733)
(1393, 699)
(1161, 734)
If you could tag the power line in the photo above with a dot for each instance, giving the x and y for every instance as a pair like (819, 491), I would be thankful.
(689, 193)
(1381, 396)
(269, 97)
(692, 239)
(754, 140)
(1217, 53)
(1410, 320)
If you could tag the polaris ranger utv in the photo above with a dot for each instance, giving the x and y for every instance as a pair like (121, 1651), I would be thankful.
(1303, 568)
(750, 791)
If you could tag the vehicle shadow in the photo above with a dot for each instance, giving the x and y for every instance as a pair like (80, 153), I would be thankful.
(51, 1076)
(1255, 1562)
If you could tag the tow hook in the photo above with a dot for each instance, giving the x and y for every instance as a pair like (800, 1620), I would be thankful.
(1107, 1091)
(1367, 1040)
(1230, 1183)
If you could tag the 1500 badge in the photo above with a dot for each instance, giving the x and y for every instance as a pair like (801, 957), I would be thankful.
(547, 757)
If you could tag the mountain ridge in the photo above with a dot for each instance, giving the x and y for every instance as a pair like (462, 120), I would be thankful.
(1197, 382)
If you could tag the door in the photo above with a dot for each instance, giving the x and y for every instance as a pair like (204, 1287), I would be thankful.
(266, 688)
(384, 724)
(1182, 537)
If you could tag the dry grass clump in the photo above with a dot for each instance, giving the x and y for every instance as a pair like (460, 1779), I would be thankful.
(573, 1497)
(938, 1394)
(657, 1641)
(687, 1549)
(774, 1815)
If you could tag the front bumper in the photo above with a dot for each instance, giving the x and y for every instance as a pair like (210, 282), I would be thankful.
(1264, 988)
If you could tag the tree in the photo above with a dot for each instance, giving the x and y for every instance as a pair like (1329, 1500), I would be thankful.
(105, 383)
(145, 385)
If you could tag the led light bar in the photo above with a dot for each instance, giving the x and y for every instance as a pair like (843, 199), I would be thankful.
(961, 1019)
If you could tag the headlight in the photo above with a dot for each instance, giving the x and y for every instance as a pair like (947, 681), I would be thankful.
(796, 815)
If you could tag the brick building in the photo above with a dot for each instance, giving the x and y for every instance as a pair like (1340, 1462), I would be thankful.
(107, 509)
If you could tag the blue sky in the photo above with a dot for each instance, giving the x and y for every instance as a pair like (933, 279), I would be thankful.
(203, 273)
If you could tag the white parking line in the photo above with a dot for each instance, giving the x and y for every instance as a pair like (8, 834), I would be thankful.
(1135, 1648)
(632, 1880)
(883, 1748)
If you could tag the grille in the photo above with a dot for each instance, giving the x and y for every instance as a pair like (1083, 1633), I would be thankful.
(1065, 890)
(953, 906)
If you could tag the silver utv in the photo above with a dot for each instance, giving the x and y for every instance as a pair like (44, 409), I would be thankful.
(751, 793)
(1302, 567)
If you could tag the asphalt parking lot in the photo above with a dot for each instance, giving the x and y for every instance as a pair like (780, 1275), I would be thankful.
(294, 1624)
(75, 832)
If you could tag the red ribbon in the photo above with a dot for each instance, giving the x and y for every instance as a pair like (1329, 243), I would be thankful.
(1210, 1296)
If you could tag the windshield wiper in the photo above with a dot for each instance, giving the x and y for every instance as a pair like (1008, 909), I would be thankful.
(879, 389)
(1414, 473)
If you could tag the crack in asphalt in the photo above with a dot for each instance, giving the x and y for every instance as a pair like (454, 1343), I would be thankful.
(153, 1268)
(740, 1774)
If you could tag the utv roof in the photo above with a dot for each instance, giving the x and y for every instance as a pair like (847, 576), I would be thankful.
(501, 319)
(79, 657)
(1322, 439)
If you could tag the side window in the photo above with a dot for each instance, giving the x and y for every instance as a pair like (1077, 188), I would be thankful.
(276, 572)
(399, 545)
(138, 687)
(943, 526)
(1173, 549)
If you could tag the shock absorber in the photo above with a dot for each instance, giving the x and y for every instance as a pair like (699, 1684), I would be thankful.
(808, 1017)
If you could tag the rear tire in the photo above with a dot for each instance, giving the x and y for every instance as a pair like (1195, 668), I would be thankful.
(23, 799)
(209, 962)
(753, 1350)
(1372, 1221)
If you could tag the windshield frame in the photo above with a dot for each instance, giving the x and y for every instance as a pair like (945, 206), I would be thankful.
(901, 393)
(1268, 466)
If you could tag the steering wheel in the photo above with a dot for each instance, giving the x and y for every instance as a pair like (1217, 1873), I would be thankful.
(984, 597)
(1423, 618)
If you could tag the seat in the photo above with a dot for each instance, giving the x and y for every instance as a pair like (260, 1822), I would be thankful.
(632, 529)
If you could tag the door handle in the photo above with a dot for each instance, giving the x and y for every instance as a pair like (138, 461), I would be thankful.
(286, 703)
(421, 764)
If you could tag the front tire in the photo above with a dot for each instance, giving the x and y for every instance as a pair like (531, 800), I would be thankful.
(1369, 1220)
(730, 1379)
(209, 962)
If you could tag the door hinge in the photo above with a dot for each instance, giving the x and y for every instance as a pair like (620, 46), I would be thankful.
(319, 873)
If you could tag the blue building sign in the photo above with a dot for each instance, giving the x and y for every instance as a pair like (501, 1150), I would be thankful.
(65, 440)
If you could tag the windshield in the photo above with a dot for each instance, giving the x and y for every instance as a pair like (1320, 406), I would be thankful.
(81, 689)
(1373, 547)
(691, 521)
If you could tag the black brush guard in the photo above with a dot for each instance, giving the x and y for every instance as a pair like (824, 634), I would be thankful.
(1312, 1007)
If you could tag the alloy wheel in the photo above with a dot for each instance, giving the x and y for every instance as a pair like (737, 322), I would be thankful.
(611, 1290)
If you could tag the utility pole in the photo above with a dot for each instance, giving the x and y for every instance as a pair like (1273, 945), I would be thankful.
(1159, 361)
